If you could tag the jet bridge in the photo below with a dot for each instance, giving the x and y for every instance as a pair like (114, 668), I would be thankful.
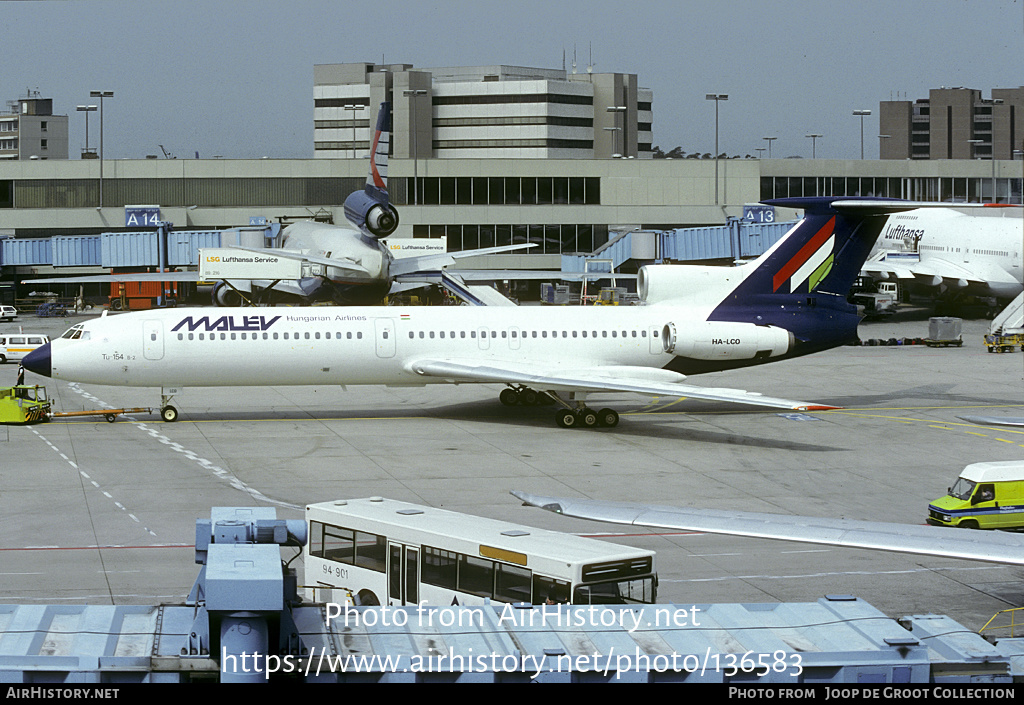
(243, 622)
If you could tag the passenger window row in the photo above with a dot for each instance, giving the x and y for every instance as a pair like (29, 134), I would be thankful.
(316, 335)
(529, 334)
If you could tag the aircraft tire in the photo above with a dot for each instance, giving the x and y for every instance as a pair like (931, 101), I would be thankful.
(366, 598)
(588, 418)
(528, 397)
(508, 396)
(566, 418)
(608, 418)
(169, 414)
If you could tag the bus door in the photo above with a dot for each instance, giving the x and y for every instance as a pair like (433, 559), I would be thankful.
(153, 340)
(403, 574)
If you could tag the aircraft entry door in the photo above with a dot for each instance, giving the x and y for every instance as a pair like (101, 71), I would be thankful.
(385, 334)
(657, 346)
(153, 340)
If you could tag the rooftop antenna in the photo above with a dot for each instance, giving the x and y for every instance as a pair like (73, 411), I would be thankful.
(574, 57)
(590, 66)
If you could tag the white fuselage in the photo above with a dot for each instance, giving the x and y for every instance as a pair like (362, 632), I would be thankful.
(356, 345)
(987, 248)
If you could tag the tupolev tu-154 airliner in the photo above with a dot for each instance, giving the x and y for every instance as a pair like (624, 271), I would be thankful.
(789, 302)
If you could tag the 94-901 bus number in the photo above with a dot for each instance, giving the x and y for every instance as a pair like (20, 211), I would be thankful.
(336, 571)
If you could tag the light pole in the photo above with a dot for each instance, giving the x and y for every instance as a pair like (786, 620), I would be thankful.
(814, 143)
(86, 109)
(717, 97)
(620, 109)
(412, 94)
(769, 140)
(101, 95)
(615, 140)
(861, 113)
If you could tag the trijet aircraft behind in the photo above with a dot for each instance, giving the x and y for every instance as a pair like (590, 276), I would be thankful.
(789, 302)
(359, 269)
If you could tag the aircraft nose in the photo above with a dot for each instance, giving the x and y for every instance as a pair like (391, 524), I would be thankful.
(38, 361)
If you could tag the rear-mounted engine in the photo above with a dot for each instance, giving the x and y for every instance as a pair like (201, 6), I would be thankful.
(712, 340)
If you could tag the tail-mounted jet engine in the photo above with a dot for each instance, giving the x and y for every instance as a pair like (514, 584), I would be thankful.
(725, 340)
(224, 295)
(369, 214)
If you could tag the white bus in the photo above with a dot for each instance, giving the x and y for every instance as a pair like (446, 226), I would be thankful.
(378, 551)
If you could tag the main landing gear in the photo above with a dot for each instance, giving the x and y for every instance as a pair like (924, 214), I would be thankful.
(575, 414)
(585, 417)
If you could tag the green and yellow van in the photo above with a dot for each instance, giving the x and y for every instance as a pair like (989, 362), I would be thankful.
(985, 496)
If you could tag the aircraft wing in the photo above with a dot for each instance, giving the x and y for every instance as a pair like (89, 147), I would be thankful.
(934, 271)
(411, 266)
(123, 277)
(987, 546)
(889, 266)
(549, 275)
(345, 264)
(636, 380)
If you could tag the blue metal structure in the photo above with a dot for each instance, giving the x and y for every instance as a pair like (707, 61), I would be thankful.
(243, 622)
(739, 239)
(121, 249)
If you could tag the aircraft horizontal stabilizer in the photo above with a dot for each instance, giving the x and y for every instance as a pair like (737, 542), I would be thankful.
(617, 379)
(345, 264)
(986, 546)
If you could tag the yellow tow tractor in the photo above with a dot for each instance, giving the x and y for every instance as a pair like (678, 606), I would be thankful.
(997, 343)
(24, 404)
(27, 403)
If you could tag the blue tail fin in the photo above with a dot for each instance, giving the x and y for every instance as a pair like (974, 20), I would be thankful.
(824, 253)
(802, 283)
(370, 210)
(377, 179)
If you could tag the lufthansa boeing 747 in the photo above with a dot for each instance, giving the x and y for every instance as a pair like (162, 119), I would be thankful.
(789, 302)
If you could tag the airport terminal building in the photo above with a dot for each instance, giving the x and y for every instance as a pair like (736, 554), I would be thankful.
(480, 157)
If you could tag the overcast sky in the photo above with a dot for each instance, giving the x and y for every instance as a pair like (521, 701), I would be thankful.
(235, 78)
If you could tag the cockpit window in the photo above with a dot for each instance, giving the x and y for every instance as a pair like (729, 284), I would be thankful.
(76, 333)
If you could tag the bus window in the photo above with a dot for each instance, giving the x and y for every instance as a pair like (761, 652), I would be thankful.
(476, 576)
(550, 591)
(440, 568)
(511, 583)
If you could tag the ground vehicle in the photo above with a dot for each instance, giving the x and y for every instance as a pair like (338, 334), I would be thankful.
(985, 496)
(382, 551)
(879, 300)
(14, 346)
(23, 404)
(8, 313)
